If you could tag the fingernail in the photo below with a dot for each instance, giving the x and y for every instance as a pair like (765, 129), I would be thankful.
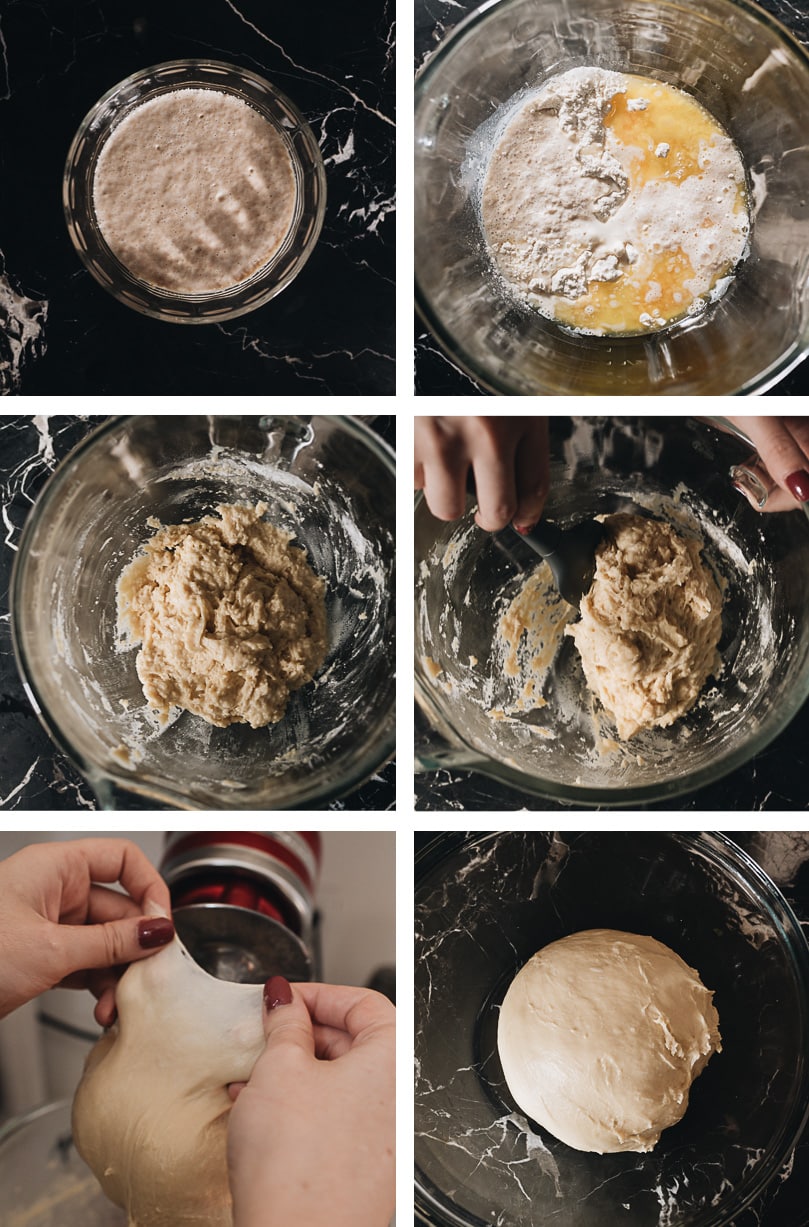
(798, 485)
(524, 529)
(154, 932)
(276, 992)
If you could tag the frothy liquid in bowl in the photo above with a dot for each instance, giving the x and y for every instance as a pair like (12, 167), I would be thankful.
(614, 203)
(194, 191)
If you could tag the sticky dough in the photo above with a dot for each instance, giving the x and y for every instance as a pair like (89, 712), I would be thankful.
(600, 1036)
(649, 625)
(229, 615)
(150, 1114)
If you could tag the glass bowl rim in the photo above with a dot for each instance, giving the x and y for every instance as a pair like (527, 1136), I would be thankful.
(221, 305)
(757, 385)
(776, 722)
(162, 791)
(728, 855)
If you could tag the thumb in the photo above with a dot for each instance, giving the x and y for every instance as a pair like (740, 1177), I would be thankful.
(286, 1019)
(82, 947)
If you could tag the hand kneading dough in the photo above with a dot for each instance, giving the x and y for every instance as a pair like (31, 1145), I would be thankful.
(601, 1035)
(150, 1114)
(649, 624)
(230, 616)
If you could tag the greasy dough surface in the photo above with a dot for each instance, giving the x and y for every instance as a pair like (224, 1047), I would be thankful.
(229, 615)
(649, 625)
(601, 1035)
(150, 1113)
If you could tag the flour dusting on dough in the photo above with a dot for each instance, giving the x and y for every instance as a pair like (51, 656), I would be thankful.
(229, 616)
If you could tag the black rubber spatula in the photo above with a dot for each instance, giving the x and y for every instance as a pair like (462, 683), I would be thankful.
(569, 552)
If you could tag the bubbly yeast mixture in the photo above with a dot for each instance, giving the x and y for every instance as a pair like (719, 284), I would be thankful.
(194, 191)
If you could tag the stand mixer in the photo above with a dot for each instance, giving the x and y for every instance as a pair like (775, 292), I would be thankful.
(243, 904)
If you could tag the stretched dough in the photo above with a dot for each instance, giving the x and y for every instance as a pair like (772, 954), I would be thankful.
(649, 625)
(601, 1035)
(229, 615)
(150, 1113)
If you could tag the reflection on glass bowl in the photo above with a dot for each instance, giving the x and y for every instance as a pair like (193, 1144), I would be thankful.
(565, 749)
(744, 68)
(484, 905)
(328, 481)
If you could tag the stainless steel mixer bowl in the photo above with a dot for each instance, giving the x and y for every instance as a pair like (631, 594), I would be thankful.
(676, 468)
(330, 481)
(484, 903)
(44, 1181)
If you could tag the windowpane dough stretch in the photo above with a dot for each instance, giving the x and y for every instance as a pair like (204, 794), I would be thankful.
(600, 1036)
(150, 1114)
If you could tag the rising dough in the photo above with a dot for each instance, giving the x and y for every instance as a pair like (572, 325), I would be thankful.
(230, 617)
(649, 625)
(601, 1035)
(150, 1114)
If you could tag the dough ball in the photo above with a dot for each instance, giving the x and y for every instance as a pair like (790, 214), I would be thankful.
(649, 625)
(229, 615)
(150, 1113)
(601, 1035)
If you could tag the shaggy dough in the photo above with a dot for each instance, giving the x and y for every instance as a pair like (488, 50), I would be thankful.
(650, 624)
(230, 616)
(150, 1114)
(601, 1035)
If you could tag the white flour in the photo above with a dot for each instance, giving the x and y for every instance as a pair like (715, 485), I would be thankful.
(567, 205)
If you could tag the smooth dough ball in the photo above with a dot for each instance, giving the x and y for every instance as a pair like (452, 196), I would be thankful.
(150, 1113)
(601, 1035)
(649, 625)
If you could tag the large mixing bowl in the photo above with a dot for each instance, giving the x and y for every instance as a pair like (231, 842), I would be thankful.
(674, 468)
(326, 479)
(45, 1181)
(484, 905)
(734, 59)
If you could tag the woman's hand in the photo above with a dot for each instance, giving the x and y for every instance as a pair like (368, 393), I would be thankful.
(311, 1136)
(58, 925)
(783, 445)
(509, 458)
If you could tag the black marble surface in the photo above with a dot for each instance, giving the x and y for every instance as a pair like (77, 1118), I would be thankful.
(34, 774)
(775, 780)
(784, 856)
(329, 333)
(435, 373)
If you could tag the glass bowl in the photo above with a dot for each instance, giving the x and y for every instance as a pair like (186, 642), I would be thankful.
(674, 468)
(744, 68)
(45, 1181)
(330, 481)
(266, 282)
(484, 905)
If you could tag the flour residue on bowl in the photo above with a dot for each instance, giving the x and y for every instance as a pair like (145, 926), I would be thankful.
(612, 203)
(194, 191)
(525, 703)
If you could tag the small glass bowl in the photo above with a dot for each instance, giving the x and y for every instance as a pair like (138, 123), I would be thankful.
(744, 68)
(272, 277)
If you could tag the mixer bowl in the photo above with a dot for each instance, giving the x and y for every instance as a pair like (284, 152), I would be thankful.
(673, 468)
(45, 1181)
(326, 479)
(742, 66)
(484, 905)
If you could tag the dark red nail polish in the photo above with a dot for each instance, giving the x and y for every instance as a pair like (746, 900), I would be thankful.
(154, 932)
(523, 529)
(798, 485)
(277, 992)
